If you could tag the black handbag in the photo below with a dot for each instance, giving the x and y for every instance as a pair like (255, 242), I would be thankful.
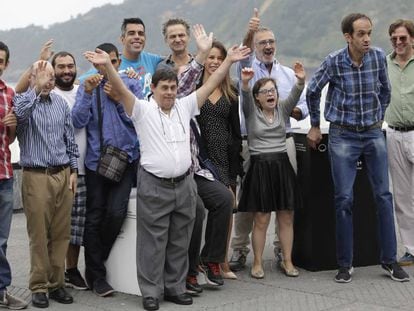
(112, 161)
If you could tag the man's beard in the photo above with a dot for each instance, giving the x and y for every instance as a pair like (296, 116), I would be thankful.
(63, 84)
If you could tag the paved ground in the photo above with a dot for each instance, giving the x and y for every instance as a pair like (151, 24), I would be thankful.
(370, 289)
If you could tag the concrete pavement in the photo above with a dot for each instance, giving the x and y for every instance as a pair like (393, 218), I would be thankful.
(371, 288)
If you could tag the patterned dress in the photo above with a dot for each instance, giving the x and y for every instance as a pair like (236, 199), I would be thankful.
(217, 135)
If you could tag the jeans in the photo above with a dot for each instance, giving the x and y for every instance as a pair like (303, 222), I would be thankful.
(6, 212)
(345, 148)
(106, 209)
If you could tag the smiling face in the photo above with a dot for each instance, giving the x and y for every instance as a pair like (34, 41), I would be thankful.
(65, 72)
(214, 60)
(359, 42)
(133, 40)
(177, 38)
(267, 96)
(402, 42)
(265, 46)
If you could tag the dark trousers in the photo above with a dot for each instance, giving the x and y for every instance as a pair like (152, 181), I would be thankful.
(106, 209)
(218, 200)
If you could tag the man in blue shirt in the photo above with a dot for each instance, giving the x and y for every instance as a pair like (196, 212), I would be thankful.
(358, 94)
(133, 55)
(107, 201)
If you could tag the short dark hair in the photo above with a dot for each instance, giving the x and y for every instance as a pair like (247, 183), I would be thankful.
(408, 24)
(175, 21)
(131, 20)
(5, 48)
(256, 87)
(61, 54)
(164, 74)
(108, 48)
(348, 21)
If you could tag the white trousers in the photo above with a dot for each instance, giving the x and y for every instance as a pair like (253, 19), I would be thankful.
(400, 147)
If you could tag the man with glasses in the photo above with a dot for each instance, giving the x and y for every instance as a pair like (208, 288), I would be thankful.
(400, 132)
(358, 95)
(262, 41)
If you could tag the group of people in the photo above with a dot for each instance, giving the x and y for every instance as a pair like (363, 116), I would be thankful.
(177, 122)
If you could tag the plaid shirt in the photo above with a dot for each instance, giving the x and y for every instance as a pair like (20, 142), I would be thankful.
(357, 95)
(6, 97)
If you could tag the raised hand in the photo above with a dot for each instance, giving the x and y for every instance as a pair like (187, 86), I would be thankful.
(247, 74)
(254, 22)
(92, 82)
(236, 53)
(98, 57)
(43, 76)
(203, 41)
(300, 72)
(46, 51)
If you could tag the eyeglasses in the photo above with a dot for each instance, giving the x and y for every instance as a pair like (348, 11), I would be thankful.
(263, 43)
(175, 131)
(403, 39)
(271, 91)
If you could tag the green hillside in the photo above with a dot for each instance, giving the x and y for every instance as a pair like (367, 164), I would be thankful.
(305, 29)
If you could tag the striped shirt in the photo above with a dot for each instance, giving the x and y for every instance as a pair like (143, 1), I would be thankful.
(357, 95)
(6, 96)
(45, 131)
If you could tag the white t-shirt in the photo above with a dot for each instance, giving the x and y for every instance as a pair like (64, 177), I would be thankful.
(165, 139)
(80, 134)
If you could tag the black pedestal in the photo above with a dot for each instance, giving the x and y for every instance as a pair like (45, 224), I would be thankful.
(314, 244)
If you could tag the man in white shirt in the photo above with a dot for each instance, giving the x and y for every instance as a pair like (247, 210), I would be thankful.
(165, 192)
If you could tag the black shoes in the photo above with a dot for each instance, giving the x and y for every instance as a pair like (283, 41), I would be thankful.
(396, 272)
(40, 300)
(237, 261)
(74, 279)
(192, 286)
(61, 295)
(183, 299)
(344, 275)
(150, 303)
(102, 288)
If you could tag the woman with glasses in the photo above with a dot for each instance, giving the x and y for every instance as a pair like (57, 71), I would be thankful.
(220, 129)
(270, 183)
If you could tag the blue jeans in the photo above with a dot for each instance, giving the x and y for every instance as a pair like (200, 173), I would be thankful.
(6, 212)
(345, 148)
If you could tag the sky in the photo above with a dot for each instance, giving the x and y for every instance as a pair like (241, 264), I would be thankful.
(21, 13)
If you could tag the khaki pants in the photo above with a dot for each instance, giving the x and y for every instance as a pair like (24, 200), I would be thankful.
(47, 203)
(243, 222)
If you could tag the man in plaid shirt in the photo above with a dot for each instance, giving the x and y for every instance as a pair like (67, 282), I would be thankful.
(358, 94)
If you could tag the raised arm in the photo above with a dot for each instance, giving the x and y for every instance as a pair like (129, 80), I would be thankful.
(45, 53)
(203, 43)
(254, 24)
(126, 98)
(234, 54)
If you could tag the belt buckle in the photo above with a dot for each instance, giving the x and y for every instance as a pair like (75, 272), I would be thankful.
(360, 129)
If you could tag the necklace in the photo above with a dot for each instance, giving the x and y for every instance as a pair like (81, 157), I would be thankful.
(268, 117)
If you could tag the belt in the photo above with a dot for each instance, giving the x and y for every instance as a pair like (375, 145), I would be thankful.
(171, 180)
(289, 135)
(51, 170)
(402, 128)
(357, 128)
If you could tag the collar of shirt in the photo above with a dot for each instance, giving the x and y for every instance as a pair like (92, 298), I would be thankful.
(262, 65)
(171, 63)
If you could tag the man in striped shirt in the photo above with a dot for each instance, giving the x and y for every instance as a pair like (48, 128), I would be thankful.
(358, 94)
(48, 155)
(7, 136)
